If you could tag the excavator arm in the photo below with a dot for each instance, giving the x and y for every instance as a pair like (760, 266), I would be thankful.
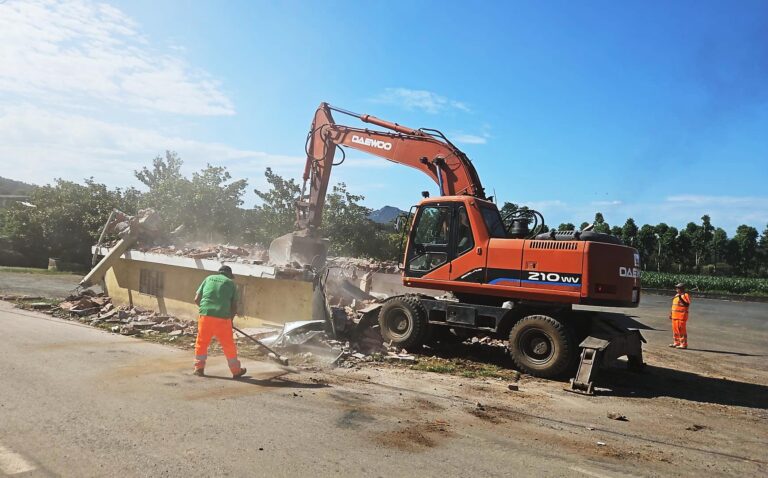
(428, 151)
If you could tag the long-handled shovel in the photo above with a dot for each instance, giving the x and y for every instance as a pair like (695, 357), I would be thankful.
(272, 354)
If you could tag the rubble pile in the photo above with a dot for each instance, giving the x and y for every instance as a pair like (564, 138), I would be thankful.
(247, 254)
(351, 265)
(98, 310)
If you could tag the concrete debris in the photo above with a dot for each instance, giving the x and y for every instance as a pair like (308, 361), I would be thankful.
(352, 266)
(164, 327)
(247, 254)
(97, 309)
(695, 428)
(400, 357)
(617, 416)
(141, 324)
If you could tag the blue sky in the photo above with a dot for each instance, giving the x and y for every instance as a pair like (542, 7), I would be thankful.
(655, 110)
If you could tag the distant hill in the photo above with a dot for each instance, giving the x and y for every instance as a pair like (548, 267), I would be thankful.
(15, 188)
(385, 215)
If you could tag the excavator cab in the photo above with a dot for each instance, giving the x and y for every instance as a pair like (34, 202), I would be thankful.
(440, 233)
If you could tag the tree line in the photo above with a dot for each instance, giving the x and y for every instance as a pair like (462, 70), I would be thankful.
(67, 218)
(697, 248)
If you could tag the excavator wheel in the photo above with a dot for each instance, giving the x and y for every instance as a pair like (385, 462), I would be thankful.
(541, 346)
(403, 321)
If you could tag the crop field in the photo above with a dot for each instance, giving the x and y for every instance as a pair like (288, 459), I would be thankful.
(701, 283)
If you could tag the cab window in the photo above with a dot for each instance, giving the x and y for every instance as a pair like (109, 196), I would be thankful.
(493, 222)
(464, 239)
(430, 240)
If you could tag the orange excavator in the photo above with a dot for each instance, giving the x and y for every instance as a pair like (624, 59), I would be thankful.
(506, 279)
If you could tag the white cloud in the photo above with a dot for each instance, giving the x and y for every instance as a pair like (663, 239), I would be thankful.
(607, 203)
(423, 100)
(39, 145)
(700, 200)
(469, 138)
(67, 52)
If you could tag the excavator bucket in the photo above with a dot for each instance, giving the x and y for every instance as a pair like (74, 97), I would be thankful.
(298, 247)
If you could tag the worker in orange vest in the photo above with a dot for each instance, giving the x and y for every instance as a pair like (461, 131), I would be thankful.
(679, 316)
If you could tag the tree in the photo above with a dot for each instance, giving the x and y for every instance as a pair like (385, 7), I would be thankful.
(277, 213)
(742, 249)
(66, 221)
(508, 208)
(683, 251)
(616, 231)
(207, 205)
(629, 233)
(666, 236)
(700, 237)
(216, 204)
(704, 238)
(601, 225)
(718, 247)
(169, 191)
(646, 243)
(350, 231)
(566, 226)
(763, 251)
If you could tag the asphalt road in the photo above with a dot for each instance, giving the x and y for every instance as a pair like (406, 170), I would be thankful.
(38, 284)
(77, 401)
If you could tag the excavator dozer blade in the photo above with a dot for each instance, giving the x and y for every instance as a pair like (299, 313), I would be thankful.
(298, 247)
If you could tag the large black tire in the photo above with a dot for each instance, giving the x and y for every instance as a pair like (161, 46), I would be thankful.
(542, 346)
(403, 321)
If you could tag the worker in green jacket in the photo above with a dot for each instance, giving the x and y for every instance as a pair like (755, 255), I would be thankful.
(217, 301)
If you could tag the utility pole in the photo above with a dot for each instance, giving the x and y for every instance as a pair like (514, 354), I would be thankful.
(658, 256)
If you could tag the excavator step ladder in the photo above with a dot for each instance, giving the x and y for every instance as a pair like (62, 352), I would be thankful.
(607, 343)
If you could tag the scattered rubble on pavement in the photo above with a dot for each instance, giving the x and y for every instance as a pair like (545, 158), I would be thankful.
(357, 341)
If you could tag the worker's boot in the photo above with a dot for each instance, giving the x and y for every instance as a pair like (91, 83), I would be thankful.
(240, 373)
(199, 372)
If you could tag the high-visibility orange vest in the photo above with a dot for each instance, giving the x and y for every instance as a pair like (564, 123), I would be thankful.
(680, 305)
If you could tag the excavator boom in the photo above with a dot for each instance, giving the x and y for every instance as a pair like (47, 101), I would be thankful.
(427, 150)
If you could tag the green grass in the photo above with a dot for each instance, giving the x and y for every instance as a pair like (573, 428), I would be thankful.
(712, 284)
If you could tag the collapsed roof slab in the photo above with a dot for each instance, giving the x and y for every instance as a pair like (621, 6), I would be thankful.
(268, 295)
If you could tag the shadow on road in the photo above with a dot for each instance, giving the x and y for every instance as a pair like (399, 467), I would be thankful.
(666, 382)
(276, 382)
(626, 321)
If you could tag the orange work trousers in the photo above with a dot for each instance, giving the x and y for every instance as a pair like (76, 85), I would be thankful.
(679, 332)
(209, 327)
